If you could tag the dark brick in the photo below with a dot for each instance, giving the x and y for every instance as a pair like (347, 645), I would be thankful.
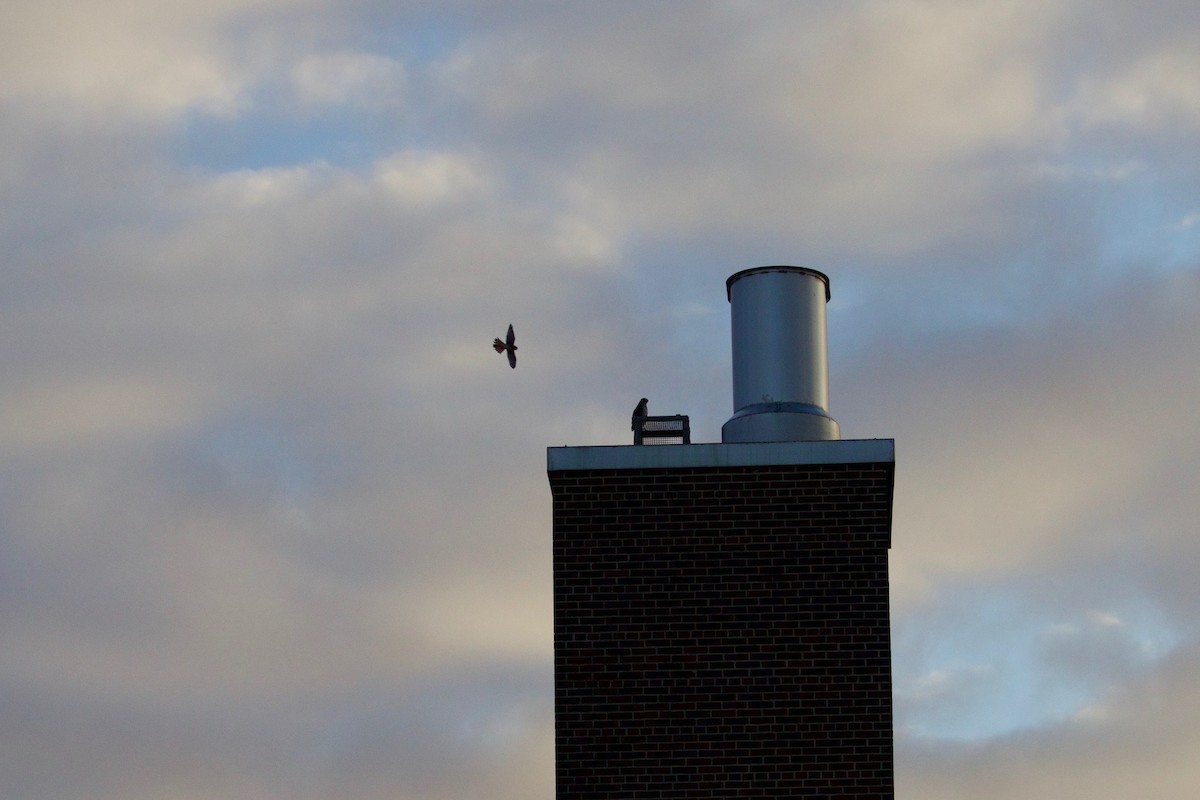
(723, 633)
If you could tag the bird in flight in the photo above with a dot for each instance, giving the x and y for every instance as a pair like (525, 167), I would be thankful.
(509, 344)
(642, 410)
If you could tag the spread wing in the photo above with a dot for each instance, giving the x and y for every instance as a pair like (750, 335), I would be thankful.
(511, 339)
(512, 359)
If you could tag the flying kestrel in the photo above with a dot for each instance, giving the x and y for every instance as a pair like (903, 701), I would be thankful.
(642, 410)
(510, 345)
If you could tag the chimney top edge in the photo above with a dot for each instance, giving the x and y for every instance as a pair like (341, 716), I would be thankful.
(777, 268)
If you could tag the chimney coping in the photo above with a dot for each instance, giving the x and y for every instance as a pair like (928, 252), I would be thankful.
(736, 454)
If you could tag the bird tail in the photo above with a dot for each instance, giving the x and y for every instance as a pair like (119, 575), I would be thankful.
(499, 345)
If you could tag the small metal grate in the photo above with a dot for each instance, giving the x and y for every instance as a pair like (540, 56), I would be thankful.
(662, 430)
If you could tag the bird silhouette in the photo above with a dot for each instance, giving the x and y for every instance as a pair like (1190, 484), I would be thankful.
(642, 410)
(510, 345)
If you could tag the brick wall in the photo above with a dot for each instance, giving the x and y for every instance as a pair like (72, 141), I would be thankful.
(723, 632)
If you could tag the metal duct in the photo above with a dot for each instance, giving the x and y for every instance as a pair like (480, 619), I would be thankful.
(780, 356)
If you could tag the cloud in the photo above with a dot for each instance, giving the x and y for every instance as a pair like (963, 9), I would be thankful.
(1159, 90)
(1145, 742)
(274, 514)
(1027, 438)
(419, 178)
(354, 78)
(139, 58)
(693, 98)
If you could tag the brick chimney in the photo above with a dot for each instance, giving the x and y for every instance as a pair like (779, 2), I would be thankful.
(721, 616)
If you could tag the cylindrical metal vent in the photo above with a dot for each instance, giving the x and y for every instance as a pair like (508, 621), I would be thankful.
(780, 357)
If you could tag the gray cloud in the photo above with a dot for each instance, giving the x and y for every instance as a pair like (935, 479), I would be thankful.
(274, 516)
(1143, 741)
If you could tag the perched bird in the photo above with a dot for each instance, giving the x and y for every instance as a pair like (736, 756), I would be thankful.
(509, 344)
(642, 410)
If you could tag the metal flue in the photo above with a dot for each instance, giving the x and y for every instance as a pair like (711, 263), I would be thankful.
(780, 356)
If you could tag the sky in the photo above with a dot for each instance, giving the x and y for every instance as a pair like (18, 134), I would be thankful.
(274, 517)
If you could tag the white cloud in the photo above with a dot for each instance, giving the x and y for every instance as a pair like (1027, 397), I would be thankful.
(1106, 619)
(421, 178)
(348, 78)
(1017, 445)
(245, 190)
(926, 81)
(270, 500)
(143, 58)
(1161, 89)
(83, 411)
(876, 126)
(1143, 741)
